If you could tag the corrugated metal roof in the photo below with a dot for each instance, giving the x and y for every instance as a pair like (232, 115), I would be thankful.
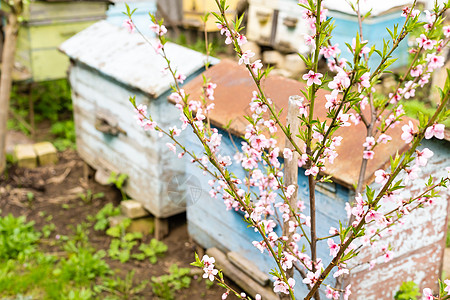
(126, 57)
(233, 94)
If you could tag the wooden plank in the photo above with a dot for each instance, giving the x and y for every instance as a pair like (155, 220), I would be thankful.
(40, 10)
(248, 268)
(240, 278)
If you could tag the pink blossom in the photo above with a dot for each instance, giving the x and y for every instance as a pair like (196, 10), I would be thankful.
(388, 256)
(436, 130)
(310, 41)
(225, 295)
(373, 216)
(340, 81)
(446, 30)
(434, 61)
(158, 47)
(364, 49)
(427, 294)
(423, 156)
(365, 80)
(347, 292)
(210, 272)
(181, 78)
(222, 28)
(368, 154)
(149, 125)
(158, 29)
(408, 132)
(384, 138)
(256, 66)
(241, 39)
(334, 248)
(447, 287)
(330, 51)
(171, 147)
(417, 71)
(129, 25)
(331, 293)
(314, 170)
(311, 278)
(245, 57)
(425, 43)
(287, 154)
(424, 80)
(312, 78)
(370, 142)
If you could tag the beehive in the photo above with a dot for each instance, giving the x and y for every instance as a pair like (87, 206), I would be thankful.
(141, 17)
(211, 225)
(194, 10)
(108, 66)
(277, 23)
(46, 25)
(384, 15)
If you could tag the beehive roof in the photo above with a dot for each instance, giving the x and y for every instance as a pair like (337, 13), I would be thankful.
(128, 58)
(233, 94)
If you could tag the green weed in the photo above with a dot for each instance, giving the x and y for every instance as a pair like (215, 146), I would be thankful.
(123, 288)
(408, 291)
(165, 286)
(102, 216)
(17, 238)
(119, 180)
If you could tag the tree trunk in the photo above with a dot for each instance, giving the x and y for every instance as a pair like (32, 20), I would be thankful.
(9, 49)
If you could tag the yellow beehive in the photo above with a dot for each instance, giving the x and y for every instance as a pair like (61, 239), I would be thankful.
(194, 10)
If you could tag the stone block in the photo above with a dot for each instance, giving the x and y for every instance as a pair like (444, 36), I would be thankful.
(273, 58)
(294, 65)
(102, 176)
(116, 220)
(133, 209)
(280, 72)
(46, 153)
(142, 225)
(25, 156)
(254, 47)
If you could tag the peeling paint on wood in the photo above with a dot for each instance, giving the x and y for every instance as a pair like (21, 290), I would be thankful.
(109, 66)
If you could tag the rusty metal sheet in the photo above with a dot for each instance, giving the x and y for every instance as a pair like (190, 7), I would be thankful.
(234, 92)
(127, 58)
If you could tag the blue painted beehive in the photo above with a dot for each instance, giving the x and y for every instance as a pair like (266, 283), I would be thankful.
(108, 66)
(141, 18)
(385, 14)
(210, 225)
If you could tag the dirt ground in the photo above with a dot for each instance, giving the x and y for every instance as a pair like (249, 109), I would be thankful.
(56, 190)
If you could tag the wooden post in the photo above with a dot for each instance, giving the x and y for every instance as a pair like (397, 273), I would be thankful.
(291, 170)
(12, 30)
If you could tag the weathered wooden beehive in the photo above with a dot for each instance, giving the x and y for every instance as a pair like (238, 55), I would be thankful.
(385, 14)
(194, 10)
(210, 225)
(141, 17)
(277, 23)
(108, 66)
(46, 25)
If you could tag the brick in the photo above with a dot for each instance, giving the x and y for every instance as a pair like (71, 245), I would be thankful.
(25, 156)
(46, 153)
(133, 209)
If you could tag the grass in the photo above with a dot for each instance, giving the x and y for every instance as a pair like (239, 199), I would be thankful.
(76, 270)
